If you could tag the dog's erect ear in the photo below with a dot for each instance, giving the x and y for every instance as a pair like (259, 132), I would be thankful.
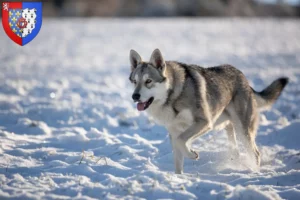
(157, 60)
(135, 59)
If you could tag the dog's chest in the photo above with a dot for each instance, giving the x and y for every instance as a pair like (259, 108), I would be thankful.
(176, 124)
(163, 115)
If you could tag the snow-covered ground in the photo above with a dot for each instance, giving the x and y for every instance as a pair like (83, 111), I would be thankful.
(69, 129)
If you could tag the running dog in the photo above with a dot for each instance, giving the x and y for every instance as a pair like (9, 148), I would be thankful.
(190, 100)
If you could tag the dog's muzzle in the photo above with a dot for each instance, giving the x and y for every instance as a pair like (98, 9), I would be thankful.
(144, 105)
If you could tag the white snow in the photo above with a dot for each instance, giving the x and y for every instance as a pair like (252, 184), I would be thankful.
(69, 129)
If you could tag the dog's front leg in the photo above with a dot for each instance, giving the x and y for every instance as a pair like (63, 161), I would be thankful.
(178, 156)
(194, 131)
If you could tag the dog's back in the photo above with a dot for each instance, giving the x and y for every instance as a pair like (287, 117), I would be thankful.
(222, 83)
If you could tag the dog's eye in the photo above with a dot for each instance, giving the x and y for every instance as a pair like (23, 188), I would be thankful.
(134, 81)
(148, 81)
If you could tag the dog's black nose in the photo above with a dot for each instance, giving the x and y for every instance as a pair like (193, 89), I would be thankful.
(136, 96)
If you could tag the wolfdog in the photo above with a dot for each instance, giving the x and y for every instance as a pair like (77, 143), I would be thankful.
(190, 100)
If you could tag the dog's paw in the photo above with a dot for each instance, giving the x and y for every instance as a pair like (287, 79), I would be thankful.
(195, 155)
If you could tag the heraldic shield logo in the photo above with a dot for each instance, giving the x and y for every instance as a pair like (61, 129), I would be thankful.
(22, 21)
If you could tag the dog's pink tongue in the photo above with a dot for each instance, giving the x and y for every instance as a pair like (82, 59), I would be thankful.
(141, 106)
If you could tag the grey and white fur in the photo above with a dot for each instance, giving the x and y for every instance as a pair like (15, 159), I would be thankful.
(190, 100)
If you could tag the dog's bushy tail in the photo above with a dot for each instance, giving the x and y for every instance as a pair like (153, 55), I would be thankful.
(270, 94)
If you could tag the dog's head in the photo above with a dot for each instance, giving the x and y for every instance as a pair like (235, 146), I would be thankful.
(148, 78)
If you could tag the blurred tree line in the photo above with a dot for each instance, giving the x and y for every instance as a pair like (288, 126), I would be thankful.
(169, 8)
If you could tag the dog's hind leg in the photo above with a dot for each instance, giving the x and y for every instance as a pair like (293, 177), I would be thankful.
(232, 139)
(253, 147)
(231, 135)
(250, 139)
(245, 121)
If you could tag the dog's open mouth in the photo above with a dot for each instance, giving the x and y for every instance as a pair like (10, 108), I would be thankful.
(144, 105)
